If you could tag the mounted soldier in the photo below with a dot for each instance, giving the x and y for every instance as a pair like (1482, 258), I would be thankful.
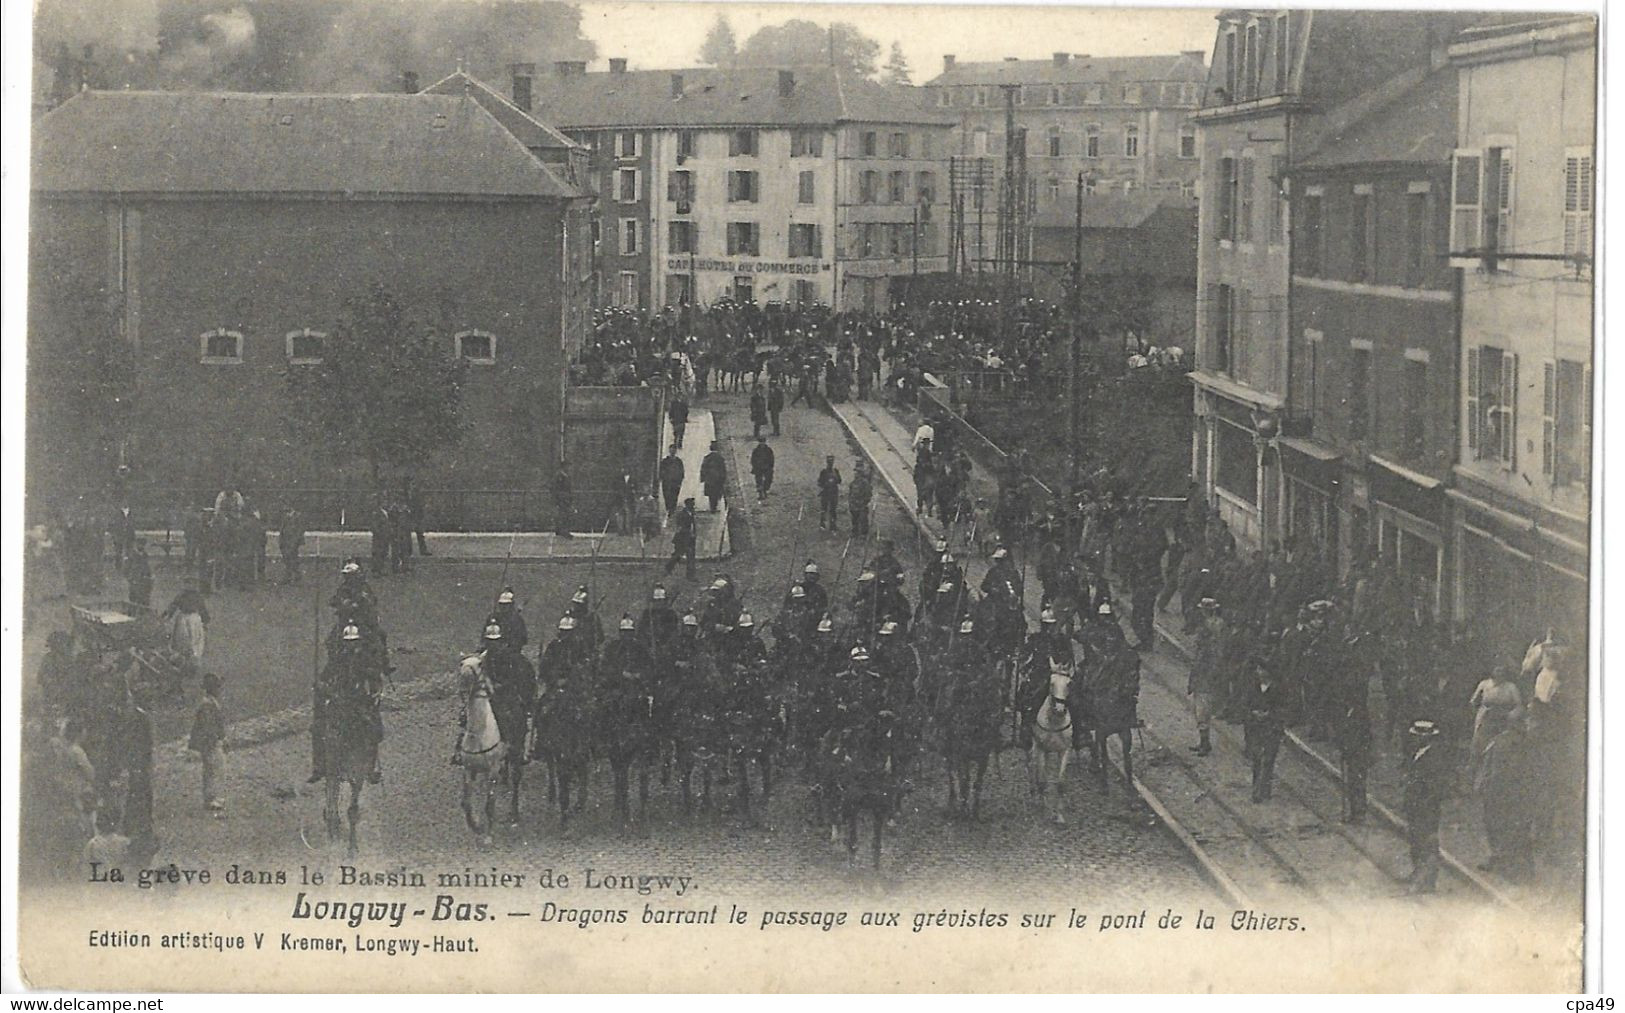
(506, 615)
(796, 617)
(351, 674)
(586, 617)
(817, 597)
(659, 621)
(627, 651)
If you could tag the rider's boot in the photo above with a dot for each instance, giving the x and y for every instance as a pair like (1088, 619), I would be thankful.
(1203, 747)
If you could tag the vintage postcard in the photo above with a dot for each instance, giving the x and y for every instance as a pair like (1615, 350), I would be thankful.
(551, 496)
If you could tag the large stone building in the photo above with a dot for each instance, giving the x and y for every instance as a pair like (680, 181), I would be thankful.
(796, 185)
(1522, 232)
(218, 237)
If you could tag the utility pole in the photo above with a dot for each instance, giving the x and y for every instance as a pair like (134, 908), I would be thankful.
(1077, 334)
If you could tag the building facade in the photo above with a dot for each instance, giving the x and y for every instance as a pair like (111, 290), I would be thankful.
(1281, 82)
(1522, 233)
(797, 186)
(221, 272)
(1373, 343)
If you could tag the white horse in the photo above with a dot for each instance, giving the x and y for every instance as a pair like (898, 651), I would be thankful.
(481, 748)
(1052, 739)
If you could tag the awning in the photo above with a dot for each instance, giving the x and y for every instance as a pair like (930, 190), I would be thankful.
(1406, 473)
(1309, 448)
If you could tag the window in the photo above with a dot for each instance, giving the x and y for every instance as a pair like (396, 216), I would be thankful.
(805, 193)
(1053, 187)
(1307, 232)
(1362, 238)
(1221, 319)
(679, 289)
(898, 146)
(1359, 399)
(626, 144)
(686, 144)
(1241, 329)
(743, 289)
(1247, 86)
(1226, 210)
(629, 236)
(1577, 183)
(1131, 94)
(221, 347)
(1492, 392)
(1277, 183)
(868, 184)
(943, 99)
(896, 239)
(682, 236)
(1414, 402)
(1230, 66)
(743, 186)
(806, 144)
(1091, 141)
(627, 290)
(927, 146)
(1089, 185)
(979, 95)
(680, 187)
(1282, 53)
(978, 147)
(806, 291)
(866, 239)
(868, 143)
(626, 186)
(1053, 142)
(1244, 201)
(1266, 26)
(1094, 94)
(1055, 97)
(479, 347)
(1481, 202)
(897, 186)
(744, 238)
(742, 143)
(1236, 471)
(805, 241)
(1566, 422)
(1418, 238)
(1187, 141)
(925, 187)
(305, 347)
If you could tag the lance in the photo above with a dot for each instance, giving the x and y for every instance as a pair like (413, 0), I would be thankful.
(795, 541)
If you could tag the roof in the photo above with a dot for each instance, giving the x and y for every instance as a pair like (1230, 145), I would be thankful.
(1103, 211)
(202, 143)
(1077, 70)
(532, 133)
(1417, 125)
(715, 97)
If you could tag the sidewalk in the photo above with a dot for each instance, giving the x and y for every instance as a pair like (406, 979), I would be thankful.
(1165, 707)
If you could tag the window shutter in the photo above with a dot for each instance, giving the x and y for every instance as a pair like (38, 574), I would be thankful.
(1548, 420)
(1244, 210)
(1474, 440)
(1509, 410)
(1577, 183)
(1503, 230)
(1465, 211)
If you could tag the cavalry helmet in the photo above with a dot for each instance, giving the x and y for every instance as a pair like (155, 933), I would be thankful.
(1208, 604)
(860, 653)
(1047, 616)
(826, 624)
(811, 567)
(1001, 553)
(626, 621)
(350, 566)
(946, 587)
(866, 576)
(745, 622)
(942, 545)
(506, 597)
(888, 628)
(967, 626)
(1105, 609)
(797, 591)
(493, 631)
(567, 623)
(1424, 729)
(580, 597)
(659, 593)
(947, 557)
(351, 632)
(719, 584)
(690, 619)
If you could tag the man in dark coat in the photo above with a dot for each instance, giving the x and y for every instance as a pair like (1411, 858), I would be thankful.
(1426, 778)
(761, 467)
(412, 496)
(1267, 708)
(139, 573)
(858, 496)
(713, 474)
(670, 475)
(775, 404)
(1349, 682)
(682, 538)
(758, 412)
(506, 614)
(829, 494)
(677, 412)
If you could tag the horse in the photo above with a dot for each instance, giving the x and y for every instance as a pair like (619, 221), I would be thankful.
(1052, 739)
(482, 748)
(562, 717)
(349, 730)
(751, 724)
(1113, 708)
(626, 727)
(856, 778)
(968, 712)
(512, 698)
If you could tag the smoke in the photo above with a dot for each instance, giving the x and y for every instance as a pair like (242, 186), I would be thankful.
(301, 45)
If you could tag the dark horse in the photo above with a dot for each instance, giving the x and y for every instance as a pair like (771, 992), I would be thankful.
(563, 720)
(1112, 707)
(350, 731)
(968, 712)
(856, 777)
(627, 730)
(751, 724)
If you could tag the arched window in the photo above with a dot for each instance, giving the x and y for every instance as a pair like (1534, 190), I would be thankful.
(305, 346)
(477, 347)
(1131, 141)
(221, 347)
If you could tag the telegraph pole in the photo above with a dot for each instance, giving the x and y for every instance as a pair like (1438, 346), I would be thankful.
(1077, 334)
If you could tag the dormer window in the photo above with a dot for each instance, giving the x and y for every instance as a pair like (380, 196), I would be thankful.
(478, 348)
(221, 347)
(305, 347)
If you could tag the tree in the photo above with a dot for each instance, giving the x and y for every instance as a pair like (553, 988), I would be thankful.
(721, 49)
(804, 43)
(896, 68)
(386, 391)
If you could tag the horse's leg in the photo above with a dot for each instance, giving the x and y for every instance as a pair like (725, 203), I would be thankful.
(354, 811)
(767, 776)
(617, 768)
(852, 834)
(953, 791)
(552, 781)
(1126, 737)
(584, 769)
(489, 785)
(1103, 755)
(643, 787)
(880, 829)
(468, 797)
(516, 774)
(564, 793)
(742, 768)
(976, 797)
(330, 811)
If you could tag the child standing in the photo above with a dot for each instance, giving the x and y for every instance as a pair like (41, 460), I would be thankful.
(208, 741)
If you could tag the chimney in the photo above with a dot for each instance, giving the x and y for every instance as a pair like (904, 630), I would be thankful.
(409, 82)
(1061, 59)
(524, 74)
(87, 68)
(947, 62)
(617, 65)
(677, 86)
(787, 83)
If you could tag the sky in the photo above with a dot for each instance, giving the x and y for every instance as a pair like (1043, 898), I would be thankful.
(669, 33)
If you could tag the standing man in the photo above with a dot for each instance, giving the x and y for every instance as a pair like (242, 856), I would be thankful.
(1350, 685)
(670, 475)
(682, 538)
(139, 573)
(713, 474)
(1266, 725)
(761, 468)
(775, 403)
(413, 498)
(1425, 779)
(758, 412)
(290, 538)
(677, 412)
(1207, 672)
(829, 494)
(858, 498)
